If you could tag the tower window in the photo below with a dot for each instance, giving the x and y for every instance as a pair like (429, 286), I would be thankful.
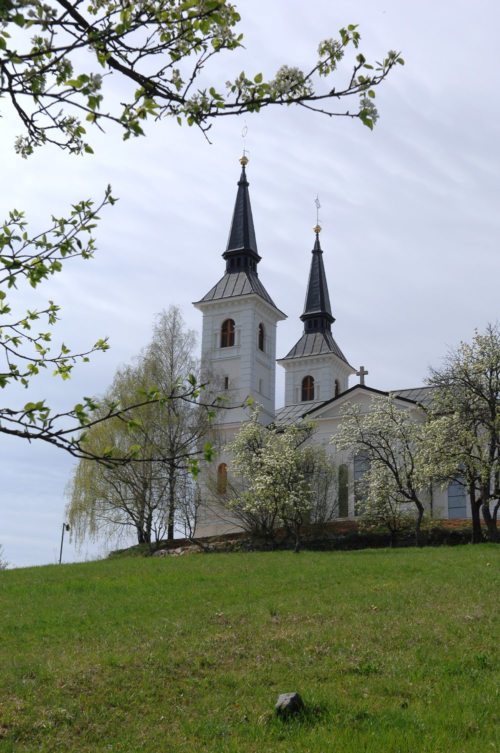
(227, 333)
(222, 479)
(337, 388)
(307, 388)
(261, 337)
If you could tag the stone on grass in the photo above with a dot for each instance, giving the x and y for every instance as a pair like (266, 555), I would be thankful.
(289, 704)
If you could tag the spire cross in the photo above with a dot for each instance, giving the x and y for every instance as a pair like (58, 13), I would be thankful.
(244, 136)
(362, 373)
(318, 205)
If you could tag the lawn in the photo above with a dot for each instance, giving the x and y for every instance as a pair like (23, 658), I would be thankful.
(392, 652)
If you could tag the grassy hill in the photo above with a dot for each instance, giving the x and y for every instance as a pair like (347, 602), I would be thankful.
(392, 651)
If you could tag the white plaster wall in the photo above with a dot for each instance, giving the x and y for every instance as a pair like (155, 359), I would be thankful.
(325, 369)
(244, 364)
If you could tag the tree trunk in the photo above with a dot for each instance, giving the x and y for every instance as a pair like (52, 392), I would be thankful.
(418, 524)
(475, 506)
(296, 548)
(490, 522)
(171, 504)
(141, 538)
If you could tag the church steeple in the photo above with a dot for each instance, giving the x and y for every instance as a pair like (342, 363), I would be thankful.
(317, 315)
(241, 256)
(316, 369)
(241, 252)
(239, 322)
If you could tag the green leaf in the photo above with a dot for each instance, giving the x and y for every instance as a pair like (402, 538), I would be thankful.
(366, 120)
(208, 451)
(194, 467)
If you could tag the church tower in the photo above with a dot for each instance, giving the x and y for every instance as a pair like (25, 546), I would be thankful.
(238, 348)
(316, 369)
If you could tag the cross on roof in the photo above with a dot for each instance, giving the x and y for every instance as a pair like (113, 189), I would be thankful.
(244, 132)
(362, 373)
(318, 205)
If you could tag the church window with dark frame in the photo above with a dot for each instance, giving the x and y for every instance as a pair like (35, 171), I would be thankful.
(222, 478)
(227, 333)
(457, 506)
(307, 388)
(261, 337)
(361, 466)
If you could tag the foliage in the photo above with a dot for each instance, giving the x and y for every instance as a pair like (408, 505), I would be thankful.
(151, 494)
(322, 475)
(181, 426)
(127, 654)
(279, 475)
(26, 350)
(388, 436)
(56, 58)
(463, 440)
(383, 505)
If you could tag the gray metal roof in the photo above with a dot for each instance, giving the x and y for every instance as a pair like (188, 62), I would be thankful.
(315, 344)
(291, 413)
(317, 298)
(242, 232)
(235, 284)
(422, 395)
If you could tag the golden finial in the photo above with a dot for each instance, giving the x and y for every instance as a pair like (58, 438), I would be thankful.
(244, 158)
(317, 229)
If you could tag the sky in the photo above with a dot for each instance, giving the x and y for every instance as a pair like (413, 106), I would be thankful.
(409, 214)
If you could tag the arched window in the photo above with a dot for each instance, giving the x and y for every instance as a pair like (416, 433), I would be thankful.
(457, 507)
(337, 388)
(307, 388)
(222, 479)
(361, 468)
(261, 337)
(227, 333)
(343, 491)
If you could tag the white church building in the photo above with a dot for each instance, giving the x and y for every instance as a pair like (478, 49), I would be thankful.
(238, 352)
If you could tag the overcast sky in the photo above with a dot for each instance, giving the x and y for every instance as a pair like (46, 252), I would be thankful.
(409, 214)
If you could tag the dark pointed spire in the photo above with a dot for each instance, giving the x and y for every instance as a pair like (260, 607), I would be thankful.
(317, 315)
(241, 252)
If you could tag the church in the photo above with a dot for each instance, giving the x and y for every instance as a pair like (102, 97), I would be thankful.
(238, 355)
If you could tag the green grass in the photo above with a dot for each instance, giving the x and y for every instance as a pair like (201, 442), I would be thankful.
(392, 651)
